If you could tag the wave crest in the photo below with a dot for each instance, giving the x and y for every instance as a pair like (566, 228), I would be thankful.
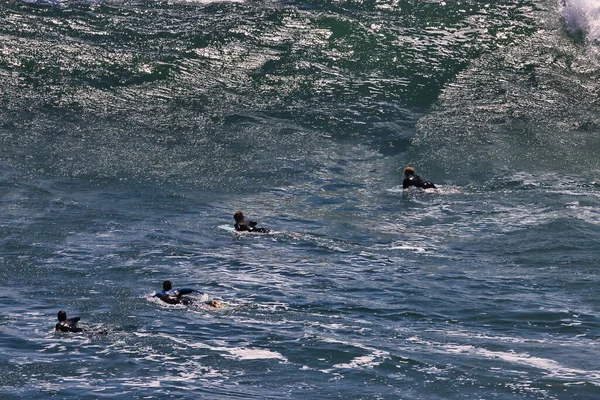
(582, 16)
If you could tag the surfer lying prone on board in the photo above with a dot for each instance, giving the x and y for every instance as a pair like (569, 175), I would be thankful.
(67, 324)
(70, 325)
(410, 179)
(242, 225)
(175, 296)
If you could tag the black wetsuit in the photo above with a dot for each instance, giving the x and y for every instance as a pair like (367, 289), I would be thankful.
(416, 180)
(175, 296)
(69, 325)
(248, 226)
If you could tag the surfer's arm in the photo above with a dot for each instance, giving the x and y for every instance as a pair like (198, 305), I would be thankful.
(169, 299)
(183, 291)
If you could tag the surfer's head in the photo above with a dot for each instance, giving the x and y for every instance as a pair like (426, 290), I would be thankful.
(167, 286)
(238, 216)
(62, 315)
(408, 171)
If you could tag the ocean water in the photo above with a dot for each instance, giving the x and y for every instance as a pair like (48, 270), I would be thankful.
(131, 131)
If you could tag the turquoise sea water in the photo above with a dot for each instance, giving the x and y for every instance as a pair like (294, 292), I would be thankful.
(131, 131)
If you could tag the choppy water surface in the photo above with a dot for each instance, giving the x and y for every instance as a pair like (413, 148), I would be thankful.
(131, 131)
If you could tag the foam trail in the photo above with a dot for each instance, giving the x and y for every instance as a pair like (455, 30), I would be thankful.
(582, 16)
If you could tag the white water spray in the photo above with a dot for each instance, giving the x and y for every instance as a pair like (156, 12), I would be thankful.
(582, 16)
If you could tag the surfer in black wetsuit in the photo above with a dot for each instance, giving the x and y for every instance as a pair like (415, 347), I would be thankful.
(410, 179)
(241, 225)
(175, 296)
(70, 325)
(67, 325)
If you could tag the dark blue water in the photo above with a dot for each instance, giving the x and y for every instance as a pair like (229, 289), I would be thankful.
(131, 131)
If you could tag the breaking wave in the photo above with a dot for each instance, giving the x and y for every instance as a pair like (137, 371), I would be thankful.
(582, 17)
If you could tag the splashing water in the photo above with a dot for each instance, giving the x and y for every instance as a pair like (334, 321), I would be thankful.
(582, 16)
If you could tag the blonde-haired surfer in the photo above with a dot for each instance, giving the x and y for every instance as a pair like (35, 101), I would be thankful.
(241, 224)
(410, 179)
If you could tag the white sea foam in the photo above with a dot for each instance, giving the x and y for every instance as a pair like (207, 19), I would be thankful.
(582, 16)
(248, 353)
(227, 228)
(416, 249)
(553, 368)
(238, 353)
(374, 358)
(366, 361)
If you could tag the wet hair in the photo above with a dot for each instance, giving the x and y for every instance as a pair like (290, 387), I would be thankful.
(167, 285)
(409, 171)
(62, 315)
(238, 216)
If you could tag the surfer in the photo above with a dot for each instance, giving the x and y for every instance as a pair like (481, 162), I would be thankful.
(241, 224)
(70, 325)
(410, 179)
(175, 296)
(67, 324)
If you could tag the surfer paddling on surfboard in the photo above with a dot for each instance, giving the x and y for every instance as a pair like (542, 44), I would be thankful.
(242, 225)
(70, 325)
(67, 324)
(175, 296)
(410, 179)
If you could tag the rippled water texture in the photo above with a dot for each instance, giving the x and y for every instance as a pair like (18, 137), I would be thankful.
(131, 131)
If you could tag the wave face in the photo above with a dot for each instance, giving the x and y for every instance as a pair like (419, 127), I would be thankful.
(530, 106)
(180, 90)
